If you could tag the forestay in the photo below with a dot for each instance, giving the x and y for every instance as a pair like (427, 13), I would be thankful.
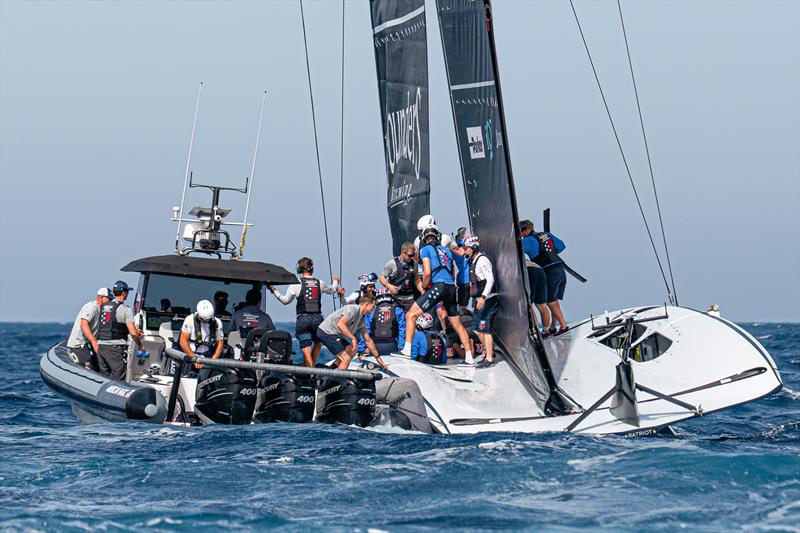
(401, 60)
(491, 203)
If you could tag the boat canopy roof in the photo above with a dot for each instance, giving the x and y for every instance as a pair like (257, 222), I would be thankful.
(203, 267)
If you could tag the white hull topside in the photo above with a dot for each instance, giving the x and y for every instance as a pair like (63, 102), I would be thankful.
(727, 364)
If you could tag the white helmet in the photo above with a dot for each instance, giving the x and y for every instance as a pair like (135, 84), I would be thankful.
(205, 310)
(426, 221)
(424, 321)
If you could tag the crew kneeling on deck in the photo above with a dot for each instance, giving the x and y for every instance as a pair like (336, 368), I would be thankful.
(338, 331)
(484, 296)
(439, 276)
(427, 345)
(386, 324)
(201, 333)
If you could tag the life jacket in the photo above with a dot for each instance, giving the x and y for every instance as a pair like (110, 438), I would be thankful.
(476, 285)
(211, 342)
(435, 349)
(403, 277)
(443, 259)
(110, 329)
(384, 322)
(310, 299)
(547, 251)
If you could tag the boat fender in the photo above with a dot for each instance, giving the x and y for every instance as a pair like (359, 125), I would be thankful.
(144, 404)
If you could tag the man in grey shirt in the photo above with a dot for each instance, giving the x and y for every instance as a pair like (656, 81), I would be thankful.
(116, 323)
(400, 276)
(82, 342)
(338, 332)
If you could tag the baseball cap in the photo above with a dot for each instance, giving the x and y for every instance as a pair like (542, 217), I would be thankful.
(120, 287)
(104, 291)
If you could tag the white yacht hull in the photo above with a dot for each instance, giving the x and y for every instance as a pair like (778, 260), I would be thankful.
(710, 363)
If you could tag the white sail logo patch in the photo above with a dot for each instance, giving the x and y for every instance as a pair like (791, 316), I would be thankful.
(475, 139)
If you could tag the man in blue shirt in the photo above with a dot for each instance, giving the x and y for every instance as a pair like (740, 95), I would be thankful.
(542, 249)
(462, 276)
(438, 279)
(386, 324)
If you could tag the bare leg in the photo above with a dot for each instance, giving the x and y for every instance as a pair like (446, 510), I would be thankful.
(545, 314)
(344, 360)
(463, 336)
(411, 321)
(488, 345)
(307, 358)
(555, 308)
(315, 352)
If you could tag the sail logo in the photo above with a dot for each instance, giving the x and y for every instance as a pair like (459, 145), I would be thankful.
(403, 135)
(477, 148)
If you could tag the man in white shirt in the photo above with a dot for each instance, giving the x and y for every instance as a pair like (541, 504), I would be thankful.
(82, 341)
(483, 290)
(201, 333)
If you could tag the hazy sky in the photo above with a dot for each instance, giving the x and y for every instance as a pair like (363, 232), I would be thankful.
(96, 103)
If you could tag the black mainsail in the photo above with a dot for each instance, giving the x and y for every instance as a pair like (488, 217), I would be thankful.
(468, 43)
(401, 60)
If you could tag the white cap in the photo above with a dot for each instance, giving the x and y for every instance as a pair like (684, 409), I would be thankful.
(105, 291)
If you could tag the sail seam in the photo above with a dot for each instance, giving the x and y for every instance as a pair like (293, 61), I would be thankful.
(396, 22)
(472, 85)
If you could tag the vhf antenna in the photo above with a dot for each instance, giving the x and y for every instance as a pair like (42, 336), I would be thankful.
(252, 175)
(186, 177)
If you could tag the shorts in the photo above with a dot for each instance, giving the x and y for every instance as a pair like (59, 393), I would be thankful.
(305, 329)
(439, 292)
(84, 356)
(556, 282)
(537, 280)
(333, 343)
(385, 347)
(462, 294)
(482, 319)
(405, 302)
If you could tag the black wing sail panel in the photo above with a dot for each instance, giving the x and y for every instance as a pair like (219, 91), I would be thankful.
(401, 60)
(478, 117)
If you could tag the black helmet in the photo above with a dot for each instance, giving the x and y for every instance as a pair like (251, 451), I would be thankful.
(431, 235)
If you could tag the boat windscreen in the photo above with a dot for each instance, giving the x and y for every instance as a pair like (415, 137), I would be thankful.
(401, 61)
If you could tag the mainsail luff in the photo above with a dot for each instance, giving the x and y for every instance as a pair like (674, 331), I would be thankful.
(475, 96)
(401, 61)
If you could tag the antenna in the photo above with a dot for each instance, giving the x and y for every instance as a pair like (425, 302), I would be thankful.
(188, 165)
(252, 175)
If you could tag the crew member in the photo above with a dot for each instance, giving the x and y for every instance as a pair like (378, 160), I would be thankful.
(338, 331)
(116, 323)
(309, 307)
(439, 280)
(366, 285)
(386, 324)
(428, 222)
(82, 342)
(400, 276)
(543, 249)
(483, 290)
(251, 316)
(427, 345)
(221, 303)
(462, 276)
(537, 280)
(201, 333)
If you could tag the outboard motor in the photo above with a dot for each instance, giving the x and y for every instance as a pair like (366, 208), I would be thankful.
(225, 395)
(252, 343)
(282, 397)
(346, 401)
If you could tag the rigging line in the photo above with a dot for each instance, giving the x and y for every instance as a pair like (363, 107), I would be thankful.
(316, 145)
(647, 150)
(619, 145)
(341, 158)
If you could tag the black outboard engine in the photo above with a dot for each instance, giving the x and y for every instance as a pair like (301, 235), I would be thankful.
(346, 401)
(225, 395)
(252, 343)
(283, 397)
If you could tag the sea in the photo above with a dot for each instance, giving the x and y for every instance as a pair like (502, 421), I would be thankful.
(735, 470)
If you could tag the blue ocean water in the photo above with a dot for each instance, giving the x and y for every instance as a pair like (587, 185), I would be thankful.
(739, 469)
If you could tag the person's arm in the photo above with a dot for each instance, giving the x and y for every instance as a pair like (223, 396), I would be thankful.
(87, 332)
(388, 270)
(530, 246)
(426, 272)
(401, 324)
(269, 325)
(558, 243)
(220, 340)
(136, 334)
(330, 289)
(342, 325)
(373, 350)
(368, 324)
(351, 298)
(184, 344)
(290, 295)
(488, 274)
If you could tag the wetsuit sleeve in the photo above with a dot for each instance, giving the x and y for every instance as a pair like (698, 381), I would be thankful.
(291, 293)
(401, 326)
(558, 243)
